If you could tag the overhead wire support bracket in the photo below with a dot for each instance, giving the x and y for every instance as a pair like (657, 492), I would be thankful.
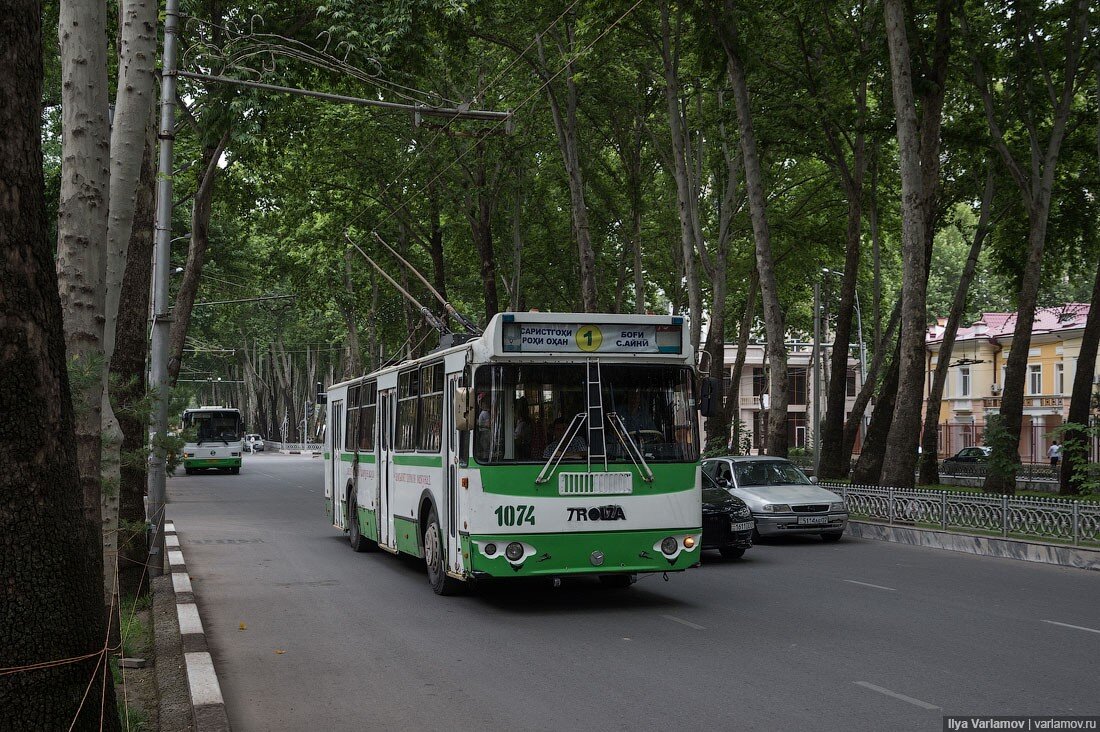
(469, 325)
(482, 115)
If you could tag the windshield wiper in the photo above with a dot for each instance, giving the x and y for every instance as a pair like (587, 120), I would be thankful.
(632, 450)
(561, 448)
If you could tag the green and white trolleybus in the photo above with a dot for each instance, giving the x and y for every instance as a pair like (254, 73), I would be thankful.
(214, 439)
(553, 444)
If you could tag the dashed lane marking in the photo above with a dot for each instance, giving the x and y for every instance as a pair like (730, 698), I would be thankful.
(1075, 627)
(896, 695)
(868, 584)
(675, 619)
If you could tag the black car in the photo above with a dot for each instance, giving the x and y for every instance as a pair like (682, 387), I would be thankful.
(727, 521)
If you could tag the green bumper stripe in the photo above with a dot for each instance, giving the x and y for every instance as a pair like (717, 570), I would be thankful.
(559, 554)
(349, 457)
(424, 461)
(212, 463)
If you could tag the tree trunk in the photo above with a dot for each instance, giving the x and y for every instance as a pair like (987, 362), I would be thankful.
(868, 468)
(354, 365)
(765, 262)
(1035, 186)
(863, 398)
(479, 210)
(904, 431)
(196, 254)
(929, 473)
(52, 593)
(733, 408)
(1075, 441)
(128, 370)
(565, 125)
(681, 173)
(435, 249)
(82, 227)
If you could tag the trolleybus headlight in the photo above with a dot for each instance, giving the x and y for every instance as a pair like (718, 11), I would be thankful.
(514, 552)
(490, 549)
(689, 542)
(668, 546)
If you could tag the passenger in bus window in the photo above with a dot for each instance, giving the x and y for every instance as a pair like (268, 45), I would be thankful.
(578, 446)
(521, 435)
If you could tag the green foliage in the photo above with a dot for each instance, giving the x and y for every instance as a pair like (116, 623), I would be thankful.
(1075, 438)
(1002, 463)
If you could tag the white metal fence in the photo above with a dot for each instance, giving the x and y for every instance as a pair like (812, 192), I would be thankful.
(1041, 519)
(298, 446)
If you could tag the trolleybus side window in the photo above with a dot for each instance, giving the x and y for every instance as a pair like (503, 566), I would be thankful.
(408, 392)
(431, 408)
(352, 416)
(367, 414)
(518, 406)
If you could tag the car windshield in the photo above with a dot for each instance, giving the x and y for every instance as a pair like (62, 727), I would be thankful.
(768, 472)
(524, 411)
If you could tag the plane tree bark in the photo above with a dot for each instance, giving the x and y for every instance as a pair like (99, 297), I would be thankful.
(1034, 177)
(1075, 440)
(196, 254)
(918, 152)
(51, 599)
(929, 470)
(723, 19)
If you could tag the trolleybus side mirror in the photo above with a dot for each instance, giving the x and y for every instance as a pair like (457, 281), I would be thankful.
(710, 395)
(322, 395)
(464, 409)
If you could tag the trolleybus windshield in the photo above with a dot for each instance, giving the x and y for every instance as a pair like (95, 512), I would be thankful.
(522, 411)
(210, 425)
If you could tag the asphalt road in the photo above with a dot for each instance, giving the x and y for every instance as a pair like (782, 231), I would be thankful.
(799, 635)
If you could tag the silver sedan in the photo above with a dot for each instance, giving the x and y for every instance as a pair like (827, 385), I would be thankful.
(782, 499)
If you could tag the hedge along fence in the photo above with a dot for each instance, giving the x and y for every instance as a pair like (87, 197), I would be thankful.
(1042, 519)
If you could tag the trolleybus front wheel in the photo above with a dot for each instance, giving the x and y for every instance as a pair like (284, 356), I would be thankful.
(433, 558)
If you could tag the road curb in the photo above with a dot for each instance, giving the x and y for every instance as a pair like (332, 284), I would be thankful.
(207, 703)
(986, 546)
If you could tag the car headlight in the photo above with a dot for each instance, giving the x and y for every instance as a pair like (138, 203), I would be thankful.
(776, 508)
(837, 506)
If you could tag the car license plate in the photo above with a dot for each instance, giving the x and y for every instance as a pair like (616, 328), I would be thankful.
(743, 526)
(813, 519)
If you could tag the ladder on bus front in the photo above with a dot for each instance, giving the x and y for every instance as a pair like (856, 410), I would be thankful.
(597, 444)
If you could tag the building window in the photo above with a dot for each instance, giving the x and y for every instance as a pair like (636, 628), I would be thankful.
(796, 385)
(850, 383)
(759, 381)
(964, 381)
(1034, 378)
(1059, 378)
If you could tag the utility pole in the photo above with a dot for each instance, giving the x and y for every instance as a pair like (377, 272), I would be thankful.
(817, 377)
(158, 358)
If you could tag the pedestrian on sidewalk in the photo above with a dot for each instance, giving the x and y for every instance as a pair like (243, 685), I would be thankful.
(1054, 453)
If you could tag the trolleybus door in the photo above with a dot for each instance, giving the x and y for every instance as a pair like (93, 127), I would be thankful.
(386, 403)
(336, 434)
(450, 462)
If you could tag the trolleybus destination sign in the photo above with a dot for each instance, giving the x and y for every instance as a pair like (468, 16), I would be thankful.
(590, 338)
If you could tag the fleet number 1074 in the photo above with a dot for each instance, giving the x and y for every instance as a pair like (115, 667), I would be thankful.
(515, 515)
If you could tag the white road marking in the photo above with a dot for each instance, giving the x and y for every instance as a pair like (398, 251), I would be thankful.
(173, 541)
(868, 584)
(1075, 627)
(675, 619)
(903, 697)
(202, 679)
(175, 558)
(169, 527)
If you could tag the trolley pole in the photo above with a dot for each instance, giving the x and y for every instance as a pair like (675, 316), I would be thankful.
(158, 357)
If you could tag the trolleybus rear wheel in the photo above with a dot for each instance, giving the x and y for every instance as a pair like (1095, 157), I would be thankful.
(358, 542)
